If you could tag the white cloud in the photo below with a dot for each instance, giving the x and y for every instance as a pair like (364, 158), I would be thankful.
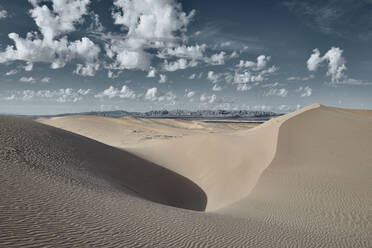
(252, 72)
(190, 52)
(301, 78)
(335, 60)
(113, 92)
(61, 19)
(352, 81)
(314, 61)
(127, 57)
(152, 73)
(29, 66)
(190, 94)
(261, 63)
(111, 74)
(214, 77)
(163, 78)
(226, 44)
(60, 95)
(151, 94)
(217, 59)
(27, 79)
(276, 92)
(179, 64)
(234, 54)
(3, 14)
(149, 24)
(11, 72)
(86, 70)
(216, 87)
(305, 91)
(243, 87)
(270, 85)
(169, 97)
(208, 98)
(192, 76)
(45, 80)
(151, 19)
(53, 48)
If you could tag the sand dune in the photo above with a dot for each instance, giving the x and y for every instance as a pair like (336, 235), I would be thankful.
(299, 180)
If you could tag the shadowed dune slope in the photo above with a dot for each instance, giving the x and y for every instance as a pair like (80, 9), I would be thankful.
(68, 155)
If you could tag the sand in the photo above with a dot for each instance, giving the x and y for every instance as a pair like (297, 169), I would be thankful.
(299, 180)
(130, 132)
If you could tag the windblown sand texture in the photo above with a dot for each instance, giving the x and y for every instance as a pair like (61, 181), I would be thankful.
(299, 180)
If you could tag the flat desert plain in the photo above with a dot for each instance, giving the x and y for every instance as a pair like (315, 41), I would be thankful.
(299, 180)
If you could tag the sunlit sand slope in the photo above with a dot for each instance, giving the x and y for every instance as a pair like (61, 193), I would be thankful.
(225, 166)
(320, 180)
(130, 132)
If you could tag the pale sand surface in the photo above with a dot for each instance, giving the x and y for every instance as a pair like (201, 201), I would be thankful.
(131, 132)
(300, 180)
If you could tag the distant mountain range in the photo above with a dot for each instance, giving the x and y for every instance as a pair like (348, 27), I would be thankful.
(182, 114)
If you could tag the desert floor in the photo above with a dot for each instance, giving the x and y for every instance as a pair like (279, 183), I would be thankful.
(300, 180)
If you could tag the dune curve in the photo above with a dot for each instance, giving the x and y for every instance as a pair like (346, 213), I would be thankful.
(225, 166)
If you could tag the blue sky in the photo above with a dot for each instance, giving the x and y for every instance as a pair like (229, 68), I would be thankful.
(79, 55)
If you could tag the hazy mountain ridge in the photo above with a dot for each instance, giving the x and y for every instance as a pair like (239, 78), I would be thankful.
(179, 114)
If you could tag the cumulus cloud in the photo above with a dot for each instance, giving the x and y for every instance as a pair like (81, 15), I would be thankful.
(151, 19)
(216, 87)
(151, 94)
(243, 87)
(234, 54)
(249, 72)
(27, 80)
(151, 73)
(260, 64)
(226, 44)
(86, 70)
(60, 95)
(214, 77)
(29, 66)
(127, 56)
(190, 94)
(195, 52)
(168, 96)
(192, 76)
(163, 79)
(276, 92)
(179, 64)
(53, 47)
(301, 78)
(112, 92)
(3, 14)
(148, 24)
(217, 59)
(208, 98)
(61, 19)
(45, 80)
(11, 72)
(336, 63)
(304, 91)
